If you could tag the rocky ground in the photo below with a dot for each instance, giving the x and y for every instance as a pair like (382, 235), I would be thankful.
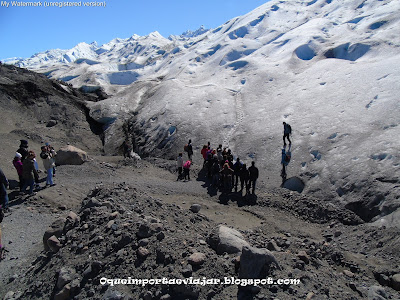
(115, 218)
(134, 220)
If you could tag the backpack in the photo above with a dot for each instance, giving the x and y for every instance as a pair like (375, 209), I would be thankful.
(289, 130)
(287, 157)
(186, 148)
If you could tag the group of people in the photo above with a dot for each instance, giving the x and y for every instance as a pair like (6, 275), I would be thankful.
(220, 168)
(28, 169)
(224, 172)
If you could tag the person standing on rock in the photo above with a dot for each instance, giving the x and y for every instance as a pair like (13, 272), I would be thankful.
(186, 169)
(48, 163)
(18, 166)
(287, 131)
(3, 190)
(179, 163)
(29, 172)
(23, 149)
(253, 176)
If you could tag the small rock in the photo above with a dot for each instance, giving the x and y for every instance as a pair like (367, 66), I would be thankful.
(195, 208)
(303, 256)
(64, 294)
(187, 272)
(113, 215)
(395, 282)
(310, 296)
(66, 275)
(376, 293)
(197, 259)
(337, 233)
(143, 242)
(110, 224)
(142, 252)
(272, 246)
(51, 123)
(348, 273)
(54, 244)
(160, 236)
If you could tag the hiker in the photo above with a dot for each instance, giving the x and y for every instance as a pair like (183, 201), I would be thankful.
(189, 149)
(244, 178)
(179, 163)
(219, 155)
(215, 172)
(48, 163)
(23, 149)
(29, 172)
(204, 154)
(127, 149)
(3, 190)
(253, 172)
(186, 169)
(227, 173)
(287, 130)
(53, 152)
(18, 166)
(236, 172)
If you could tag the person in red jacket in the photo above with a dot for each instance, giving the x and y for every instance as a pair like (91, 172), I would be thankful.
(186, 169)
(18, 166)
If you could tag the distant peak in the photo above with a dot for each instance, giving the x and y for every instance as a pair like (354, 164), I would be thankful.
(155, 34)
(189, 33)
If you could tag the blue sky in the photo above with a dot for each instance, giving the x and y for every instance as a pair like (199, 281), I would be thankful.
(25, 31)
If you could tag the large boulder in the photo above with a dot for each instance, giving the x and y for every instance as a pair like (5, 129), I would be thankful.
(224, 239)
(253, 260)
(71, 155)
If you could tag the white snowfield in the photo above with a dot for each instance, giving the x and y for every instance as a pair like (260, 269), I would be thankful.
(329, 68)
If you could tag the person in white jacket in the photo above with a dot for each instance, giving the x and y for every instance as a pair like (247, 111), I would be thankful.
(48, 164)
(179, 162)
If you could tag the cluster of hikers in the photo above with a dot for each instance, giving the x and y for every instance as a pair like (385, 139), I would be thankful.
(28, 174)
(220, 168)
(224, 172)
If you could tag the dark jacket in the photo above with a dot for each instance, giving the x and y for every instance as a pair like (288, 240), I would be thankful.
(23, 150)
(253, 172)
(28, 170)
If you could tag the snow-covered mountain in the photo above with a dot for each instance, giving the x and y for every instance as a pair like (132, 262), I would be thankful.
(330, 68)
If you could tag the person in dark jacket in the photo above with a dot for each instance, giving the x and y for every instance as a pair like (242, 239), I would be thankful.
(23, 149)
(236, 172)
(190, 150)
(287, 130)
(244, 178)
(253, 173)
(3, 190)
(29, 173)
